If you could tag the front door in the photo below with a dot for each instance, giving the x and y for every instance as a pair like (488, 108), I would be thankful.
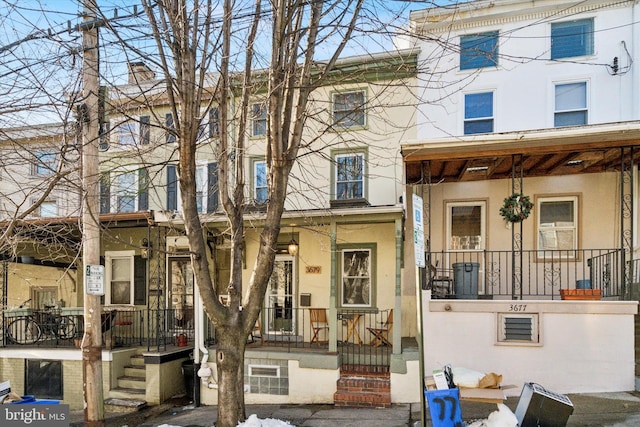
(280, 297)
(180, 301)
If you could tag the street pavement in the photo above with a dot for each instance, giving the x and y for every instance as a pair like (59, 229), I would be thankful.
(590, 410)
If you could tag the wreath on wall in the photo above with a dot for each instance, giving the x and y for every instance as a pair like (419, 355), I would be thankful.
(516, 208)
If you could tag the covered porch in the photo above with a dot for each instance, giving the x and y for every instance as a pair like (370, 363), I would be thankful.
(578, 233)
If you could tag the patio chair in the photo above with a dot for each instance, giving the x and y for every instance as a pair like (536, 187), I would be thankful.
(381, 334)
(318, 317)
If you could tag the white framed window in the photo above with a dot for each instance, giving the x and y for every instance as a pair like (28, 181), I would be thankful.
(479, 50)
(260, 189)
(125, 192)
(570, 104)
(259, 119)
(44, 163)
(127, 133)
(119, 277)
(466, 225)
(349, 176)
(557, 224)
(572, 38)
(349, 109)
(357, 285)
(478, 113)
(518, 328)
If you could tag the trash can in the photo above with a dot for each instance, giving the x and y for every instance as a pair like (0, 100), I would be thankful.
(583, 284)
(465, 279)
(191, 384)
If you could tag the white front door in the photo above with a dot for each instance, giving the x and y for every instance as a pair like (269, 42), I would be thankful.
(280, 298)
(466, 238)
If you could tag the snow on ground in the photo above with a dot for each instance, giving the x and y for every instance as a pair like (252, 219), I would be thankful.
(254, 421)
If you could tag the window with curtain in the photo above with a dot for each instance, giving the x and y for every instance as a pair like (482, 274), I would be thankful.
(349, 109)
(557, 223)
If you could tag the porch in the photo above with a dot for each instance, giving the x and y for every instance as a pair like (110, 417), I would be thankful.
(528, 274)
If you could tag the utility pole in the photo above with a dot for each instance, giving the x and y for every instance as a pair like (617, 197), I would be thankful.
(92, 340)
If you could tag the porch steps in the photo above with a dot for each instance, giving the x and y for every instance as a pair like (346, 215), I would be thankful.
(364, 387)
(132, 386)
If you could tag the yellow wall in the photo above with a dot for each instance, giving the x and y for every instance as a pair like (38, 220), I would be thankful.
(23, 278)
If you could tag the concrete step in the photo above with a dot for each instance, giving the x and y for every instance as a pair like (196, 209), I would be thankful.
(138, 383)
(127, 393)
(135, 371)
(137, 360)
(124, 405)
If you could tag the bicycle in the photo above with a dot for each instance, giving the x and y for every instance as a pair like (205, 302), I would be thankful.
(30, 328)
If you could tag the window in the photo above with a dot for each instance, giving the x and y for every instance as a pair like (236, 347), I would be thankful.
(571, 104)
(48, 209)
(356, 278)
(43, 379)
(206, 188)
(518, 328)
(170, 135)
(260, 190)
(572, 38)
(126, 278)
(479, 50)
(259, 119)
(349, 109)
(465, 225)
(44, 163)
(349, 176)
(557, 224)
(478, 113)
(124, 191)
(127, 133)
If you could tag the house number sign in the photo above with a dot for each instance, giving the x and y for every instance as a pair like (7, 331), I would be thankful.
(94, 279)
(313, 269)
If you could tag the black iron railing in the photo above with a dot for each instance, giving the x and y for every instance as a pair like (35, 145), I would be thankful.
(526, 274)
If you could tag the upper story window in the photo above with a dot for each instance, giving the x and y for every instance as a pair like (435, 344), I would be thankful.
(44, 163)
(349, 109)
(571, 104)
(259, 119)
(206, 188)
(478, 113)
(260, 189)
(124, 191)
(349, 176)
(132, 132)
(572, 38)
(479, 50)
(557, 224)
(48, 209)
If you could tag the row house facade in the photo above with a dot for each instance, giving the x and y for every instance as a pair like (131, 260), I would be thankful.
(336, 300)
(526, 167)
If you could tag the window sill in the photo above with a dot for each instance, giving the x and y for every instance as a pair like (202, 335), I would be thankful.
(349, 203)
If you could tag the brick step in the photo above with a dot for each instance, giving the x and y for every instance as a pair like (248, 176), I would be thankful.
(362, 400)
(364, 385)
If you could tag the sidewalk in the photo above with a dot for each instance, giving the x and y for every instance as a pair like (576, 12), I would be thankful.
(593, 410)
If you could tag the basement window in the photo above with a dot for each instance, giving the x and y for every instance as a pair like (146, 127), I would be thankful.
(264, 371)
(518, 328)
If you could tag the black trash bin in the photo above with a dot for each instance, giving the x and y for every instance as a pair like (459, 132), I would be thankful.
(465, 279)
(191, 385)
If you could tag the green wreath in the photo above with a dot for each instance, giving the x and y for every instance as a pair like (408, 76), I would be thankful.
(516, 208)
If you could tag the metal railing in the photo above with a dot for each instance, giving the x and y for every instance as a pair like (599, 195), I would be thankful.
(527, 274)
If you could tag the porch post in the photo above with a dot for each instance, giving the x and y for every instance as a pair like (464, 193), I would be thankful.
(627, 214)
(516, 235)
(397, 321)
(333, 312)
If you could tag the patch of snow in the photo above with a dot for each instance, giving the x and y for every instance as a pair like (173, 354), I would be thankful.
(254, 421)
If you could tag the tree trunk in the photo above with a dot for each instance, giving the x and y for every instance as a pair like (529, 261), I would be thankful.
(230, 364)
